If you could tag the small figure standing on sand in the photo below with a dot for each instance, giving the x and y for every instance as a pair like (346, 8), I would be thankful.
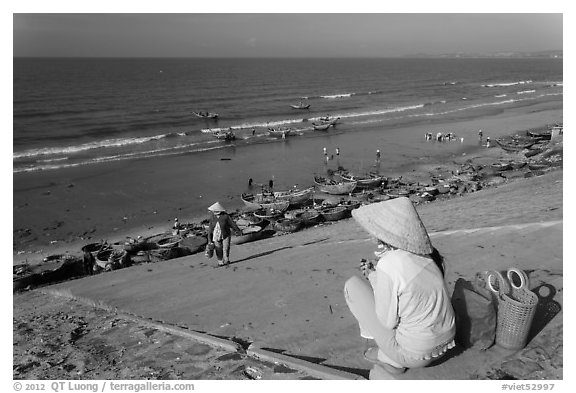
(337, 151)
(325, 152)
(378, 155)
(88, 262)
(480, 135)
(271, 184)
(250, 181)
(176, 227)
(220, 233)
(487, 141)
(253, 131)
(405, 306)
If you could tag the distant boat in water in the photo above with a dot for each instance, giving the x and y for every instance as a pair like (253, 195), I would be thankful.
(206, 115)
(300, 105)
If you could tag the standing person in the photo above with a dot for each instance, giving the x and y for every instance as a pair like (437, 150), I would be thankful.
(487, 141)
(220, 233)
(325, 152)
(480, 135)
(88, 261)
(378, 155)
(405, 306)
(271, 184)
(337, 151)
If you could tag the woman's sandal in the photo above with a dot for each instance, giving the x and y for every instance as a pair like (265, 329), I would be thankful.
(371, 355)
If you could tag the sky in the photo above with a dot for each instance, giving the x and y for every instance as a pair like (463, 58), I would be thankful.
(281, 34)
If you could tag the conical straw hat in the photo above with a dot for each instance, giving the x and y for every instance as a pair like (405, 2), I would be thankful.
(217, 207)
(397, 223)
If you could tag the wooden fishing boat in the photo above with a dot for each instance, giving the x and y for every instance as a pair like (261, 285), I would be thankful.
(321, 126)
(329, 120)
(309, 217)
(300, 106)
(249, 234)
(53, 268)
(333, 187)
(514, 145)
(260, 201)
(169, 241)
(398, 193)
(541, 135)
(249, 219)
(501, 166)
(362, 181)
(206, 115)
(425, 196)
(224, 136)
(281, 132)
(335, 213)
(351, 204)
(270, 213)
(287, 225)
(295, 197)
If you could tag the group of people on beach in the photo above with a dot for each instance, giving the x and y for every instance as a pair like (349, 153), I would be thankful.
(441, 137)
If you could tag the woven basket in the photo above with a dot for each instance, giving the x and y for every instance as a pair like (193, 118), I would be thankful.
(516, 309)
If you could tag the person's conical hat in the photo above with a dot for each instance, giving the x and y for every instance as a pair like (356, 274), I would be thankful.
(217, 207)
(397, 223)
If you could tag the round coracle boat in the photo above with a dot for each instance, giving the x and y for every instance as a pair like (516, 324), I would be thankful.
(288, 225)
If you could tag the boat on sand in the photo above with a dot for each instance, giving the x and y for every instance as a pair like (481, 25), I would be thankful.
(333, 187)
(264, 201)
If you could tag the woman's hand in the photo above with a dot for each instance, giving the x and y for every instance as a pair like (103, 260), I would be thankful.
(366, 267)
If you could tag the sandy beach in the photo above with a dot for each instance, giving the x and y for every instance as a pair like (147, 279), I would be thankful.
(283, 295)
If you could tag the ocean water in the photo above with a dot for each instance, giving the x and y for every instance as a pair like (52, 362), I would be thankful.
(78, 112)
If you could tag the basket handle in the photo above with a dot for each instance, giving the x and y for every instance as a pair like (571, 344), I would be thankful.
(524, 281)
(503, 286)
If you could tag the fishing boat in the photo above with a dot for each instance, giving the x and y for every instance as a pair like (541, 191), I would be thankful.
(249, 234)
(501, 166)
(281, 132)
(335, 213)
(269, 213)
(206, 115)
(515, 145)
(248, 219)
(310, 217)
(295, 196)
(329, 120)
(333, 187)
(264, 201)
(541, 135)
(225, 136)
(300, 106)
(287, 225)
(363, 181)
(321, 126)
